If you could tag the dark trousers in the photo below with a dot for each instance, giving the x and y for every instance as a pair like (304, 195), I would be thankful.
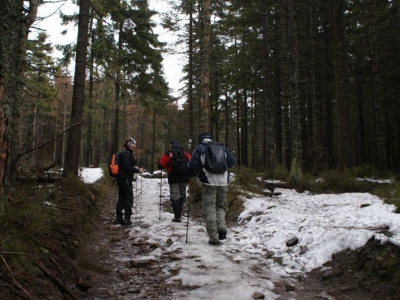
(177, 195)
(125, 199)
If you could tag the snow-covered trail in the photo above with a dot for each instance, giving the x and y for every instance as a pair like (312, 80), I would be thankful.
(205, 271)
(256, 257)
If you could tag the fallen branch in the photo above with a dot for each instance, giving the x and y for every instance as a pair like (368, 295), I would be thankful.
(13, 279)
(5, 239)
(15, 253)
(56, 281)
(10, 287)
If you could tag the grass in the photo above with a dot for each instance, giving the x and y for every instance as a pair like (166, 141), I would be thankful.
(390, 194)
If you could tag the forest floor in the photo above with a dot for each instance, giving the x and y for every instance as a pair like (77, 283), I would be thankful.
(78, 253)
(370, 272)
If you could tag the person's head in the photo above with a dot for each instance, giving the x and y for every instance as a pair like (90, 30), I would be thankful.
(172, 143)
(130, 144)
(203, 136)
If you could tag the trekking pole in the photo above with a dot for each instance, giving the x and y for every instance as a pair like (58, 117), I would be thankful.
(188, 211)
(135, 198)
(141, 196)
(141, 183)
(133, 202)
(159, 218)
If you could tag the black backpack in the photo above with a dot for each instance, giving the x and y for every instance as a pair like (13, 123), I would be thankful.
(215, 160)
(179, 161)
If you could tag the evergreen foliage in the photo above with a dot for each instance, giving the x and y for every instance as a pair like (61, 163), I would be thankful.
(309, 83)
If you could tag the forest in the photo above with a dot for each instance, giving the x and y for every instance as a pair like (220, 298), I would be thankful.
(307, 86)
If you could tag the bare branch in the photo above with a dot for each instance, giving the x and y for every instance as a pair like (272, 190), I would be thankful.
(32, 13)
(14, 281)
(44, 144)
(48, 142)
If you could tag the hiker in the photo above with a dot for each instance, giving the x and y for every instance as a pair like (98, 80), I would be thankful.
(178, 178)
(214, 186)
(126, 165)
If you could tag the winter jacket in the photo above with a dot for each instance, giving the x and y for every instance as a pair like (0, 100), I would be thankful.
(196, 165)
(165, 163)
(126, 165)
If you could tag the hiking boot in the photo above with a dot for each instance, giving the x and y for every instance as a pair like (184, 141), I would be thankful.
(121, 222)
(212, 242)
(127, 222)
(177, 220)
(222, 235)
(177, 209)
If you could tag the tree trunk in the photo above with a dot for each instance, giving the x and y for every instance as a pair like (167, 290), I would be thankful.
(34, 125)
(254, 137)
(380, 123)
(286, 137)
(338, 38)
(89, 150)
(268, 119)
(16, 19)
(319, 152)
(190, 76)
(204, 122)
(113, 146)
(227, 118)
(153, 144)
(296, 162)
(244, 130)
(75, 133)
(238, 141)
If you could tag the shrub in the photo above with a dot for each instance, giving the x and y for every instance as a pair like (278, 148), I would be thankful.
(281, 172)
(391, 194)
(364, 171)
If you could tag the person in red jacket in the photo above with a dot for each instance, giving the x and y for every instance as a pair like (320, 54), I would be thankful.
(177, 179)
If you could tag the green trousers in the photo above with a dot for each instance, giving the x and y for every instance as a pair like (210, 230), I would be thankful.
(214, 209)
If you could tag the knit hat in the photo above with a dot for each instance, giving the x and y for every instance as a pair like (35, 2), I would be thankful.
(129, 141)
(202, 136)
(173, 142)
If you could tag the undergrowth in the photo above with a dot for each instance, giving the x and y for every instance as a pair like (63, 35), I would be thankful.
(41, 229)
(391, 194)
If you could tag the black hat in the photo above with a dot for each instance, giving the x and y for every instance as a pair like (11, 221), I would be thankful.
(173, 142)
(202, 136)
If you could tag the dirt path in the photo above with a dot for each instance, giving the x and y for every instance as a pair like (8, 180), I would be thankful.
(117, 273)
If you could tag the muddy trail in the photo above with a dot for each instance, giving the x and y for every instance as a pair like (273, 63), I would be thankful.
(121, 268)
(118, 271)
